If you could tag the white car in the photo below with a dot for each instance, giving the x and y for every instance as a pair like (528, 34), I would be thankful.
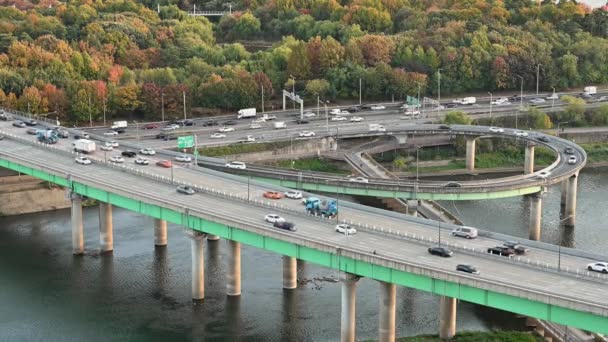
(343, 228)
(117, 159)
(344, 112)
(184, 158)
(236, 165)
(217, 136)
(553, 96)
(307, 134)
(378, 107)
(598, 267)
(141, 161)
(249, 138)
(500, 101)
(293, 194)
(255, 126)
(226, 129)
(359, 180)
(572, 160)
(272, 218)
(110, 133)
(335, 111)
(537, 100)
(543, 174)
(520, 133)
(309, 114)
(113, 143)
(339, 118)
(83, 160)
(496, 129)
(356, 119)
(147, 151)
(105, 147)
(602, 98)
(170, 128)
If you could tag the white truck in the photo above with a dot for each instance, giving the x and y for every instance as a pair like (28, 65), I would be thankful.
(466, 100)
(376, 128)
(279, 125)
(84, 146)
(119, 124)
(246, 113)
(591, 90)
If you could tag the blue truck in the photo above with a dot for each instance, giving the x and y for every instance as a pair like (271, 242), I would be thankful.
(316, 206)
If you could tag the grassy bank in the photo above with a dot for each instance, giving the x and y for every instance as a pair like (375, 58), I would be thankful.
(471, 336)
(218, 151)
(314, 164)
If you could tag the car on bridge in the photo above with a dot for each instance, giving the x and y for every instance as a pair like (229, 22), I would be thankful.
(501, 250)
(293, 194)
(186, 189)
(496, 129)
(465, 232)
(516, 246)
(117, 159)
(171, 127)
(164, 163)
(272, 218)
(339, 118)
(354, 109)
(356, 119)
(572, 160)
(5, 117)
(452, 185)
(285, 225)
(254, 126)
(445, 127)
(113, 143)
(129, 154)
(537, 101)
(543, 174)
(19, 124)
(301, 121)
(519, 133)
(230, 123)
(543, 138)
(358, 180)
(309, 114)
(569, 150)
(441, 251)
(31, 130)
(150, 126)
(110, 133)
(307, 134)
(273, 195)
(217, 136)
(225, 129)
(83, 160)
(500, 101)
(209, 123)
(105, 147)
(31, 122)
(236, 165)
(344, 228)
(184, 158)
(141, 161)
(598, 267)
(62, 133)
(377, 107)
(467, 268)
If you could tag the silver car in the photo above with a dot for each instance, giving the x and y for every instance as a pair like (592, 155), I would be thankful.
(185, 189)
(465, 232)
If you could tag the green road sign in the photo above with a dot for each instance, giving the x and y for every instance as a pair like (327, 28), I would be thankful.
(185, 142)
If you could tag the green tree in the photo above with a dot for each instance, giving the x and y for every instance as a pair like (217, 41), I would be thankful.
(246, 26)
(574, 111)
(599, 116)
(297, 63)
(538, 119)
(458, 118)
(319, 87)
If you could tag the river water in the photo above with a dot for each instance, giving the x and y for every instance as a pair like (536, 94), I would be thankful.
(142, 294)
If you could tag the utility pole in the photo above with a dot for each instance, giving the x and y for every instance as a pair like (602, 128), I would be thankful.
(262, 98)
(90, 114)
(184, 107)
(104, 112)
(521, 98)
(490, 106)
(293, 90)
(317, 105)
(162, 106)
(359, 91)
(537, 77)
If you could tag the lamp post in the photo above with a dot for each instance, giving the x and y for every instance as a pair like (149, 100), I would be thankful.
(184, 93)
(417, 149)
(439, 92)
(537, 77)
(490, 106)
(136, 129)
(359, 91)
(559, 244)
(293, 89)
(559, 123)
(552, 99)
(521, 98)
(262, 98)
(104, 111)
(162, 107)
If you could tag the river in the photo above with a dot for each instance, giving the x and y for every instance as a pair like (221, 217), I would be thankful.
(142, 294)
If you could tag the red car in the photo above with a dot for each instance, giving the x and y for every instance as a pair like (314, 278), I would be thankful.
(273, 194)
(151, 126)
(164, 163)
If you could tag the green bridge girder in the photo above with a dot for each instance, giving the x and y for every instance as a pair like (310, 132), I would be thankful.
(528, 307)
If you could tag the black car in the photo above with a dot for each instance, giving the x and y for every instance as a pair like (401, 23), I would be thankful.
(514, 245)
(230, 123)
(119, 130)
(353, 109)
(129, 154)
(210, 123)
(445, 127)
(569, 150)
(451, 105)
(81, 136)
(501, 250)
(585, 96)
(366, 106)
(467, 268)
(285, 225)
(441, 251)
(543, 138)
(515, 98)
(301, 121)
(31, 122)
(452, 185)
(188, 122)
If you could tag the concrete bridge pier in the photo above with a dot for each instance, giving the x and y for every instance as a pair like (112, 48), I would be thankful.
(447, 317)
(535, 215)
(106, 234)
(290, 272)
(198, 266)
(349, 300)
(529, 159)
(388, 302)
(160, 233)
(233, 287)
(563, 199)
(470, 160)
(211, 237)
(77, 225)
(570, 214)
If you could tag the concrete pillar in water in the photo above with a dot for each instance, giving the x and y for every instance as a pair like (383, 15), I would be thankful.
(233, 287)
(447, 317)
(535, 215)
(529, 159)
(160, 232)
(198, 266)
(470, 161)
(106, 234)
(570, 214)
(77, 225)
(290, 272)
(211, 237)
(386, 325)
(349, 300)
(563, 198)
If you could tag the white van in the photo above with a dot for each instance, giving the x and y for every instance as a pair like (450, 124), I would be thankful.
(465, 232)
(376, 128)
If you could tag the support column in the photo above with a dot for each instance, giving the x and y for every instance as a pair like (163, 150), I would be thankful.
(535, 215)
(570, 213)
(160, 233)
(563, 199)
(77, 225)
(447, 317)
(290, 272)
(212, 237)
(349, 300)
(470, 162)
(529, 159)
(387, 312)
(198, 266)
(106, 234)
(233, 287)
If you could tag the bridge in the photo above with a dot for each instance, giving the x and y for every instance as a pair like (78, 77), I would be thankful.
(389, 247)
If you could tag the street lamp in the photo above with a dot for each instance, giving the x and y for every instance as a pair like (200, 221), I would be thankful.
(162, 106)
(559, 244)
(439, 91)
(559, 123)
(521, 98)
(359, 91)
(490, 106)
(417, 149)
(262, 98)
(537, 77)
(552, 99)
